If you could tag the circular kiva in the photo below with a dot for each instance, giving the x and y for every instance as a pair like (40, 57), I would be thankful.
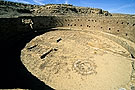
(77, 60)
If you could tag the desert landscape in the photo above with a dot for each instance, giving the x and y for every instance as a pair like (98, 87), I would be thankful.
(66, 47)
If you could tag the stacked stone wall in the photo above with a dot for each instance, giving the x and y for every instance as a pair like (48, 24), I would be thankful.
(123, 27)
(120, 26)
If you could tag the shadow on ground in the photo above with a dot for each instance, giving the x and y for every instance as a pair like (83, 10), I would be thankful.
(13, 72)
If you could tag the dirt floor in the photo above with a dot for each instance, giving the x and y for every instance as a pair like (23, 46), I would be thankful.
(77, 60)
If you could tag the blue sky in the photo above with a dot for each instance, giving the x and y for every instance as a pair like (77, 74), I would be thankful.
(113, 6)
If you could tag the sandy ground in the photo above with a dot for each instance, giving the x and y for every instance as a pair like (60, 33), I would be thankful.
(76, 60)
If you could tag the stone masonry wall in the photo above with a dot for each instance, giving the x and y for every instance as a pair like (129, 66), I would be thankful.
(123, 27)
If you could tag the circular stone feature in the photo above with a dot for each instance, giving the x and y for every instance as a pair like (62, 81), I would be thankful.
(77, 60)
(85, 67)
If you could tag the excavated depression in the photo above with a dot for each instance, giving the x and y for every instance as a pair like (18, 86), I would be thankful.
(76, 60)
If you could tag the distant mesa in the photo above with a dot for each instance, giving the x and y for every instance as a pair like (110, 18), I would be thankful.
(18, 9)
(68, 9)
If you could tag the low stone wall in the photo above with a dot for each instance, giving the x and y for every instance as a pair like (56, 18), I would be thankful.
(123, 27)
(120, 26)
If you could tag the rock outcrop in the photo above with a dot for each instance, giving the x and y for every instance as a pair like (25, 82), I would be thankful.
(67, 9)
(10, 9)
